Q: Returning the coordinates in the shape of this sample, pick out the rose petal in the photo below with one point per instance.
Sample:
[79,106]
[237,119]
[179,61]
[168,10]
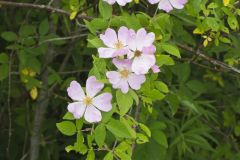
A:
[103,102]
[153,1]
[142,64]
[109,38]
[75,91]
[93,86]
[122,85]
[165,5]
[155,69]
[92,114]
[113,77]
[106,52]
[135,81]
[177,4]
[77,109]
[122,63]
[123,35]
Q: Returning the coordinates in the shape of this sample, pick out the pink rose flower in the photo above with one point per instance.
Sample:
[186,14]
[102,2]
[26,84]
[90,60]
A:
[142,50]
[124,77]
[88,105]
[116,43]
[168,5]
[120,2]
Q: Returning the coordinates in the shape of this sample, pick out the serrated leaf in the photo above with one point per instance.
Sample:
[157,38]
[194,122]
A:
[105,9]
[145,129]
[67,128]
[68,116]
[100,135]
[9,36]
[44,27]
[160,138]
[118,129]
[124,102]
[108,156]
[171,49]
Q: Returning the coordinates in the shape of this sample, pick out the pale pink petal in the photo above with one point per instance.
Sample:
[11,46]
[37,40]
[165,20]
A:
[155,69]
[140,38]
[142,64]
[153,1]
[130,55]
[75,91]
[149,39]
[77,109]
[132,44]
[109,38]
[177,4]
[123,35]
[106,52]
[111,2]
[135,81]
[113,77]
[122,85]
[121,2]
[149,50]
[92,114]
[103,102]
[165,5]
[122,64]
[120,52]
[93,86]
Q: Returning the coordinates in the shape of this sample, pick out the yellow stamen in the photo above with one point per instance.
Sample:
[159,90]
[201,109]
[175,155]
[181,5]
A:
[118,45]
[124,73]
[87,101]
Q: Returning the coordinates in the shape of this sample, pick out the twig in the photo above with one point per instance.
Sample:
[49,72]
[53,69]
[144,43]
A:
[63,38]
[9,107]
[209,59]
[136,116]
[43,7]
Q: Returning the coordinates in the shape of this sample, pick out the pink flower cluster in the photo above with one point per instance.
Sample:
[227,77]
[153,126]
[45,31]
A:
[166,5]
[139,51]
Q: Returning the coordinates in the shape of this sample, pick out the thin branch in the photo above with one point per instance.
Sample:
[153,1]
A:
[136,116]
[43,7]
[209,59]
[62,38]
[9,107]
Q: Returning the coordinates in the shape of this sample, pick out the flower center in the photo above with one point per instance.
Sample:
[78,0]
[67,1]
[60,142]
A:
[124,73]
[87,100]
[137,53]
[118,45]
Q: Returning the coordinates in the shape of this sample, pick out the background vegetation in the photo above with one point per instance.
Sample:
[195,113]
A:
[192,107]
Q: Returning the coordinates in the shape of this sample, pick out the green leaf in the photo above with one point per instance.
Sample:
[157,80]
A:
[171,49]
[9,36]
[164,60]
[95,42]
[134,96]
[145,129]
[100,135]
[129,127]
[160,138]
[105,9]
[68,116]
[3,58]
[161,87]
[44,27]
[4,71]
[232,22]
[91,155]
[108,156]
[118,129]
[141,138]
[69,148]
[124,102]
[67,128]
[27,30]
